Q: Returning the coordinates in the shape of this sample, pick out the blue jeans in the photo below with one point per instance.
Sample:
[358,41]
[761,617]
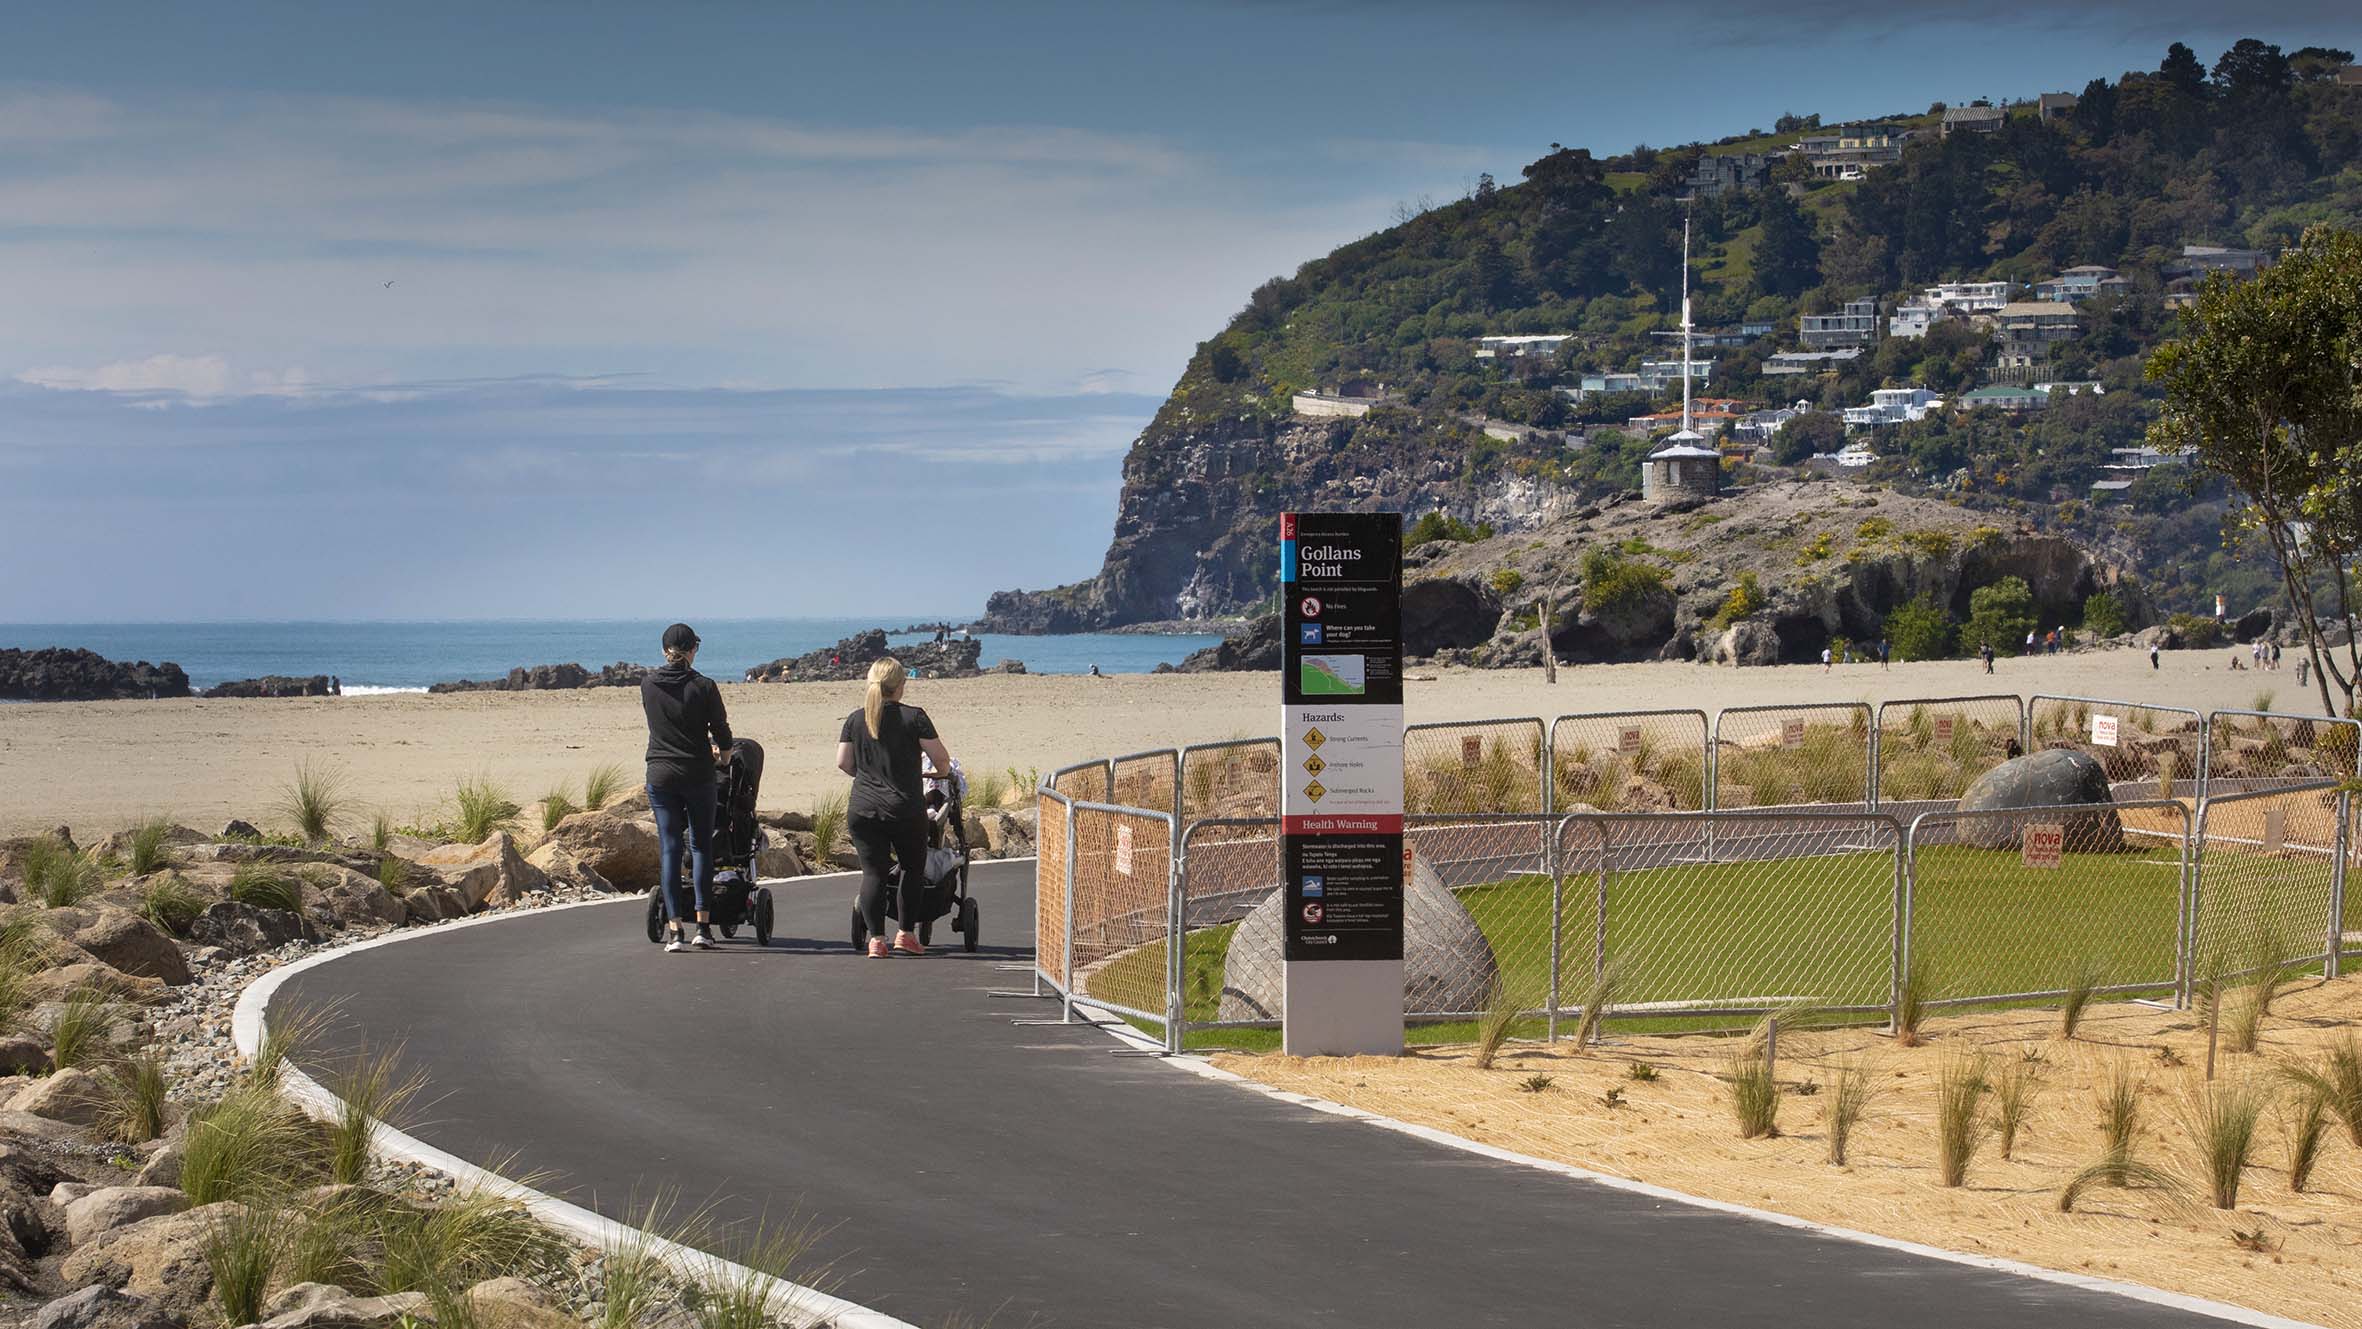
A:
[683,811]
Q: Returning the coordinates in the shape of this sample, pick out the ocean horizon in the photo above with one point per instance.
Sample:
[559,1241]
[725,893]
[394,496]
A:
[376,656]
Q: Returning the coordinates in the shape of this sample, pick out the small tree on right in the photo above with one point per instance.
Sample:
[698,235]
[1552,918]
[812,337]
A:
[2264,387]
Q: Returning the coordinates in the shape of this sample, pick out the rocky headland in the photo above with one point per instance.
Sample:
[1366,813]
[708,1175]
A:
[63,674]
[849,660]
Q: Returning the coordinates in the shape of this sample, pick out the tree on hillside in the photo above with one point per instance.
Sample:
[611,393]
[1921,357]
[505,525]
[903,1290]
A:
[1788,257]
[2265,385]
[2000,616]
[1804,435]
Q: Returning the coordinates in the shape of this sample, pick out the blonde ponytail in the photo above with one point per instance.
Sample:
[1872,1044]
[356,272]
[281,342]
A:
[886,678]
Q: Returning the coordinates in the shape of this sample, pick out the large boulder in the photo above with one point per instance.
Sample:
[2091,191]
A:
[1256,648]
[243,929]
[276,685]
[101,1307]
[492,873]
[564,869]
[64,981]
[432,904]
[2054,778]
[1447,965]
[20,1055]
[343,898]
[132,944]
[850,659]
[320,1306]
[75,1096]
[1747,642]
[62,674]
[782,857]
[1441,613]
[161,1258]
[111,1207]
[617,846]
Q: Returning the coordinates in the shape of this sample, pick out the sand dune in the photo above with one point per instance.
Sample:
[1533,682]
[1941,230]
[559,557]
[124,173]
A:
[100,765]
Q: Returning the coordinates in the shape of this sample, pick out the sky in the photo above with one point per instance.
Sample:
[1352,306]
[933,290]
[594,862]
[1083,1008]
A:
[556,310]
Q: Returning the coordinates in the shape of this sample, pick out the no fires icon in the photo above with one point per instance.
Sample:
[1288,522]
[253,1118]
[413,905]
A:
[1309,606]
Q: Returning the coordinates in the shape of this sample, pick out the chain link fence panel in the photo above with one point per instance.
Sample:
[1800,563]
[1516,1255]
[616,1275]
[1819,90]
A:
[1229,869]
[2251,750]
[1480,907]
[2268,873]
[1475,766]
[2029,903]
[1719,913]
[2147,751]
[1931,749]
[1087,782]
[1122,908]
[1053,828]
[1150,780]
[1793,756]
[1629,761]
[1236,779]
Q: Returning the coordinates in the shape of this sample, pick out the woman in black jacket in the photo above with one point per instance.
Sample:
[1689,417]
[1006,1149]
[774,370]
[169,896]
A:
[886,817]
[688,736]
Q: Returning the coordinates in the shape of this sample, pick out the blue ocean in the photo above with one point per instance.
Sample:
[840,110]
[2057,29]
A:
[407,656]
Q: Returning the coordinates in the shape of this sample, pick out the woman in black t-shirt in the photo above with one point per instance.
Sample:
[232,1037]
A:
[886,816]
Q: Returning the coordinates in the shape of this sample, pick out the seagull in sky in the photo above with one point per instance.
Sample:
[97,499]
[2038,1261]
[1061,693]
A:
[389,286]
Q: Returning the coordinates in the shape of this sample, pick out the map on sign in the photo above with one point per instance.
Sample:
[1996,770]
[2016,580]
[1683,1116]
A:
[1331,676]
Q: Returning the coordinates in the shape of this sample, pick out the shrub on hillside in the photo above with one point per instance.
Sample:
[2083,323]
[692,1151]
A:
[2000,615]
[1920,630]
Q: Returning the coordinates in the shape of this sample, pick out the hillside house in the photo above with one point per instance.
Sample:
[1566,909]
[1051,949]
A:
[2055,106]
[1892,406]
[2143,458]
[2071,388]
[1810,362]
[2077,284]
[2350,77]
[1756,428]
[1655,377]
[1705,422]
[1968,297]
[1329,405]
[1973,120]
[1855,455]
[1542,344]
[2027,331]
[2201,261]
[1854,325]
[1715,176]
[1999,397]
[1734,336]
[1913,319]
[1849,153]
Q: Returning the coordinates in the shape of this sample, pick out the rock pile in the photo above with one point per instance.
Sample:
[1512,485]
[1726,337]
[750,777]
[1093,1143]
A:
[551,678]
[851,658]
[59,674]
[277,685]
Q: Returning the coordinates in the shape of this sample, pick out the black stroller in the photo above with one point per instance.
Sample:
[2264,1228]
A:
[947,873]
[735,901]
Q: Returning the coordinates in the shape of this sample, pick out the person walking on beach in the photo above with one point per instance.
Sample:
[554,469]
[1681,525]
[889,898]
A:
[2152,657]
[1885,654]
[688,735]
[1985,653]
[1825,659]
[886,818]
[2304,664]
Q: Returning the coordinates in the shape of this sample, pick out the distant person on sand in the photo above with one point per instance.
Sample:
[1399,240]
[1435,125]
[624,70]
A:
[886,817]
[2153,656]
[1095,672]
[1885,654]
[2304,665]
[1825,659]
[1985,653]
[688,735]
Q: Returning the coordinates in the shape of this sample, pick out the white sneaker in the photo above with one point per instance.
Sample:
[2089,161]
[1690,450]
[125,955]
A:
[674,945]
[703,941]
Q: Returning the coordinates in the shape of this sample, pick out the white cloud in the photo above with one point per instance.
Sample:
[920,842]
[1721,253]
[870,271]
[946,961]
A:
[197,376]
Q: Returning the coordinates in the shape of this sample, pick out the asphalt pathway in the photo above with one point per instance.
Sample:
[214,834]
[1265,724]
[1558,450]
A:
[963,1164]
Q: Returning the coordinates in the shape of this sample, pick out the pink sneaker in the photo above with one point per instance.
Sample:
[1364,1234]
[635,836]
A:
[908,944]
[877,948]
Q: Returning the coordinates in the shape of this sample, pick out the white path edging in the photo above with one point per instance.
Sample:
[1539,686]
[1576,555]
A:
[806,1305]
[2221,1310]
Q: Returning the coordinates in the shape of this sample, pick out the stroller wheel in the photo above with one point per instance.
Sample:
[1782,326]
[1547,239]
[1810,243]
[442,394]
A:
[656,914]
[763,917]
[926,934]
[967,925]
[860,930]
[729,930]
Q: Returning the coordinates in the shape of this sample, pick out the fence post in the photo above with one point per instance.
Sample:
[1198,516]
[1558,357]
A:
[2337,885]
[1599,912]
[1066,963]
[1557,861]
[1877,756]
[1906,901]
[1176,879]
[2193,851]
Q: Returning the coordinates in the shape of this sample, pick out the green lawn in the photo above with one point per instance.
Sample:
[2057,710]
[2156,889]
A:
[1815,930]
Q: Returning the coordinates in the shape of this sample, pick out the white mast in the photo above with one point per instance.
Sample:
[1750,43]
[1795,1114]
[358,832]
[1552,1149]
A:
[1685,325]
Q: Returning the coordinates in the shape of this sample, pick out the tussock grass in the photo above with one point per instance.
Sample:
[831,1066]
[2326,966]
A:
[2337,1077]
[1911,997]
[56,875]
[2078,999]
[556,806]
[2304,1125]
[637,1280]
[147,849]
[600,787]
[753,1295]
[828,827]
[2120,1110]
[393,873]
[2221,1117]
[462,1241]
[2118,1172]
[1495,1022]
[1961,1125]
[136,1091]
[267,886]
[79,1035]
[381,831]
[1597,997]
[286,1032]
[250,1147]
[370,1089]
[171,904]
[1849,1102]
[480,807]
[242,1250]
[314,800]
[1754,1090]
[330,1240]
[989,790]
[2015,1088]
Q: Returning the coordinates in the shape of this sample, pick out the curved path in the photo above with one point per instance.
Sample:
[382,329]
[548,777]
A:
[969,1165]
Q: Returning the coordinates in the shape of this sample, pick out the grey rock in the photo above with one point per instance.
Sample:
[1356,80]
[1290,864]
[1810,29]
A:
[74,1096]
[161,1258]
[102,1307]
[1447,963]
[1747,642]
[112,1207]
[235,829]
[491,873]
[163,1166]
[432,904]
[20,1055]
[243,929]
[134,945]
[2057,777]
[352,1312]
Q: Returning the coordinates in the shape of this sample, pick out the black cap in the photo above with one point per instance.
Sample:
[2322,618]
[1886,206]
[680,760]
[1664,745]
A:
[680,637]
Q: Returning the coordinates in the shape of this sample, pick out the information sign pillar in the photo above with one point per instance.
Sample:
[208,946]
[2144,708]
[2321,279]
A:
[1341,782]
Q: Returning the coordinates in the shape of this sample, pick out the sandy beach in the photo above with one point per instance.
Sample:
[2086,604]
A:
[98,766]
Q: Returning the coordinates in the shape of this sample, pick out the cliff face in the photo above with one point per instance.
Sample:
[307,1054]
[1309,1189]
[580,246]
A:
[1197,528]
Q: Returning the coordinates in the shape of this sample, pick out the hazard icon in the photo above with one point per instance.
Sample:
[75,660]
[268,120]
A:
[1315,765]
[1314,791]
[1313,738]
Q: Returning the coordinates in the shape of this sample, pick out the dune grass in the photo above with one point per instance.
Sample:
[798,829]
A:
[1961,1125]
[474,1235]
[600,787]
[2080,988]
[2015,1087]
[2337,1077]
[2119,1101]
[1849,1102]
[370,1088]
[147,849]
[636,1278]
[171,904]
[393,873]
[1754,1090]
[2221,1117]
[381,831]
[2117,1172]
[250,1147]
[752,1295]
[136,1093]
[990,789]
[267,886]
[57,875]
[556,806]
[78,1037]
[1496,1022]
[828,827]
[313,801]
[1596,999]
[242,1250]
[286,1031]
[481,807]
[2304,1125]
